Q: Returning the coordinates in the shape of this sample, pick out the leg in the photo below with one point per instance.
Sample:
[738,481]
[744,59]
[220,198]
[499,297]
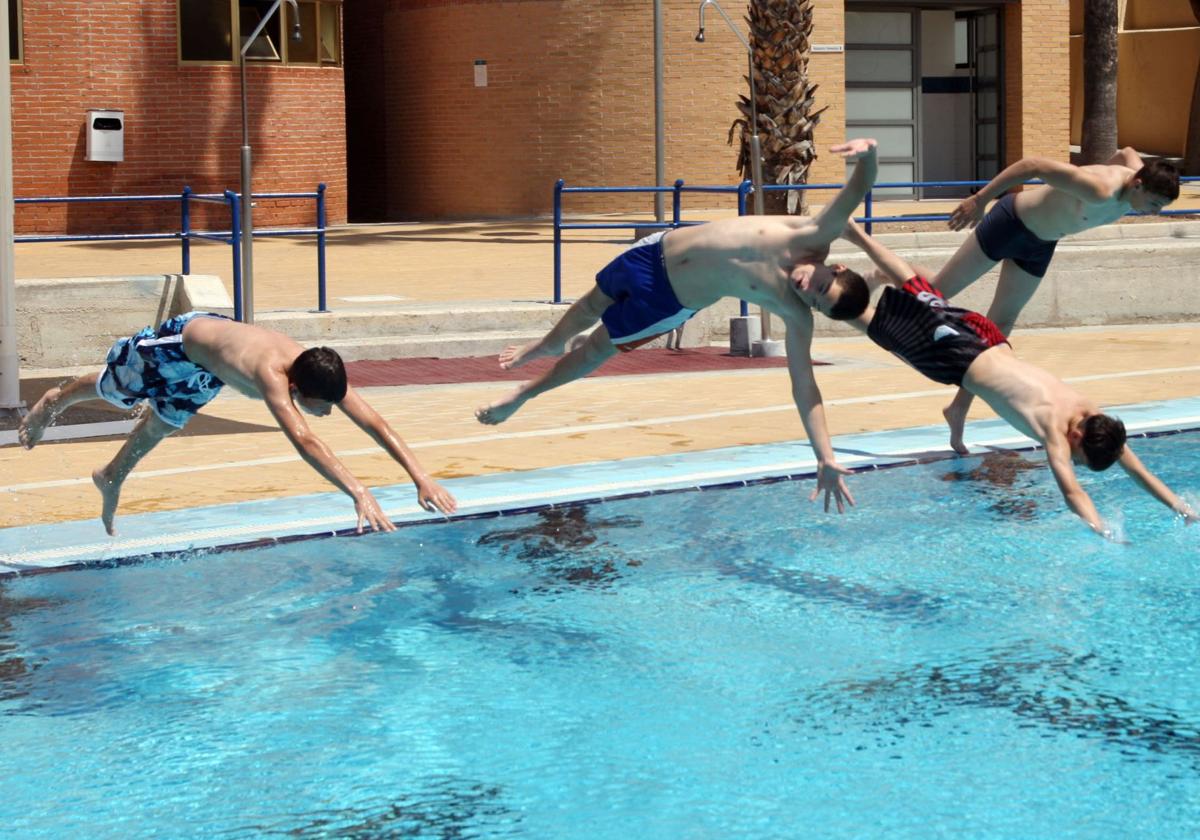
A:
[578,363]
[582,314]
[968,264]
[108,480]
[1014,290]
[53,403]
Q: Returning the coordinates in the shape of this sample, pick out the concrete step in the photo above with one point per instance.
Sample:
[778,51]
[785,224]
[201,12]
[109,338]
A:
[417,319]
[442,345]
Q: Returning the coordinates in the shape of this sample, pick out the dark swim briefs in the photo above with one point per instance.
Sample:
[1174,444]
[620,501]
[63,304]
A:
[153,366]
[644,304]
[1002,236]
[940,341]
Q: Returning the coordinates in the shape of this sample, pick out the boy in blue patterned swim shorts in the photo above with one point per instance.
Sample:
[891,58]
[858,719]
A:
[182,365]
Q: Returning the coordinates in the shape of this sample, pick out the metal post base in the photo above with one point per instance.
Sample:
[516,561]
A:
[768,348]
[744,332]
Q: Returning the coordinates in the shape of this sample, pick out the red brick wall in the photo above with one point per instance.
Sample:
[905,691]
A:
[183,123]
[570,95]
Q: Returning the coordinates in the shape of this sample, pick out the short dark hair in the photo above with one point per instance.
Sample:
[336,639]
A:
[854,298]
[318,373]
[1160,178]
[1103,441]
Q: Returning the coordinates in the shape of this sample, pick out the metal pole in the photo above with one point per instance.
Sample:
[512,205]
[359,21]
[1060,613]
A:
[247,195]
[321,302]
[185,231]
[247,299]
[659,107]
[558,188]
[10,374]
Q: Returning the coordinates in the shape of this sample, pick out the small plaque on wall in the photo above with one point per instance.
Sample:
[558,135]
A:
[828,48]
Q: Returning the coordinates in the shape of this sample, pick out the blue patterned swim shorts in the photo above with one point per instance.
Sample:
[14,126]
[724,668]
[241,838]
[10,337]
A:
[153,366]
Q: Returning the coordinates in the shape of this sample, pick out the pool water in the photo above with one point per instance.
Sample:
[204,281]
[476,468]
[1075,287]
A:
[958,656]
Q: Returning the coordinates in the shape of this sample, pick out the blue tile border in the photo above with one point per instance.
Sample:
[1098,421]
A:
[247,525]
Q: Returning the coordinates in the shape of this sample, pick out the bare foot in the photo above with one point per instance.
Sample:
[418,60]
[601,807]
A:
[34,424]
[498,412]
[514,356]
[110,493]
[956,419]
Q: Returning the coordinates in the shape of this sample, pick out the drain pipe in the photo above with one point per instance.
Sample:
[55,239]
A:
[10,378]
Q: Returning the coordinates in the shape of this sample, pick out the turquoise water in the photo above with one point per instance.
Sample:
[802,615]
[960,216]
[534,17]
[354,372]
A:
[956,657]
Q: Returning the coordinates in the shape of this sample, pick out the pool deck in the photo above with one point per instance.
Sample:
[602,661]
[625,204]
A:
[587,440]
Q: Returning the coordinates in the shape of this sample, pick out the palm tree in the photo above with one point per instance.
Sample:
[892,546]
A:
[779,40]
[1191,152]
[1099,140]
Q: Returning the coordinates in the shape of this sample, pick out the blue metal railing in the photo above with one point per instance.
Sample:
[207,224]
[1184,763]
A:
[185,234]
[743,190]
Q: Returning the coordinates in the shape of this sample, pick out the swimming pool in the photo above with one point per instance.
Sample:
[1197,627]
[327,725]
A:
[957,656]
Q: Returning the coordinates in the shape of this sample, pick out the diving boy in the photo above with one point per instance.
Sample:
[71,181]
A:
[958,347]
[182,365]
[1022,230]
[664,279]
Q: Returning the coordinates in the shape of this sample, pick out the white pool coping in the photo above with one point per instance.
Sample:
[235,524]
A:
[34,548]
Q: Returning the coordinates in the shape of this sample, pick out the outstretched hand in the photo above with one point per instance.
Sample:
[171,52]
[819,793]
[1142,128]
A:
[852,150]
[967,214]
[433,496]
[829,480]
[370,513]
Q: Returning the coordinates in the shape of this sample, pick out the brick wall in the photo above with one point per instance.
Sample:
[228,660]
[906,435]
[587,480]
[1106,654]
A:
[570,95]
[1037,79]
[183,123]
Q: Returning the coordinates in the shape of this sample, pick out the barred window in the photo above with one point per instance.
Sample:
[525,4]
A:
[212,31]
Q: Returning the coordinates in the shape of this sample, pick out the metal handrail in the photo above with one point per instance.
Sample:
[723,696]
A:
[185,234]
[868,219]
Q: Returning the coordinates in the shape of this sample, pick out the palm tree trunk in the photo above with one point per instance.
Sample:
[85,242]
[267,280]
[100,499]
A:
[1191,151]
[780,33]
[1099,80]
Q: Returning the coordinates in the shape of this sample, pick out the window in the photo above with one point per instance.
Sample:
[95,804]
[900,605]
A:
[213,31]
[14,30]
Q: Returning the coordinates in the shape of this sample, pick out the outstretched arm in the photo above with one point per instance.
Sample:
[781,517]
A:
[430,494]
[812,413]
[321,458]
[896,269]
[835,215]
[1058,453]
[1080,182]
[1152,485]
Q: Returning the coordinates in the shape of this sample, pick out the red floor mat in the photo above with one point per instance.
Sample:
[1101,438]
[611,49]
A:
[486,369]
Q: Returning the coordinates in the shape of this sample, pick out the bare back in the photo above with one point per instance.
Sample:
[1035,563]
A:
[250,359]
[749,257]
[1032,400]
[1053,213]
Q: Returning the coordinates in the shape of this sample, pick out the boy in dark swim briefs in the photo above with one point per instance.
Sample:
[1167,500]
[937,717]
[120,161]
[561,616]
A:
[1022,230]
[663,280]
[182,365]
[960,347]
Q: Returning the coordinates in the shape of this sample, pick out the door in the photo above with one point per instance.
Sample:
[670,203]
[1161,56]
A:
[882,91]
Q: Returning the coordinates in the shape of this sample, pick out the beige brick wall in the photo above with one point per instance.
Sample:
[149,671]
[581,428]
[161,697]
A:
[1037,79]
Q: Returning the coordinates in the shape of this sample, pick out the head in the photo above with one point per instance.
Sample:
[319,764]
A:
[1097,440]
[318,380]
[1153,187]
[833,290]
